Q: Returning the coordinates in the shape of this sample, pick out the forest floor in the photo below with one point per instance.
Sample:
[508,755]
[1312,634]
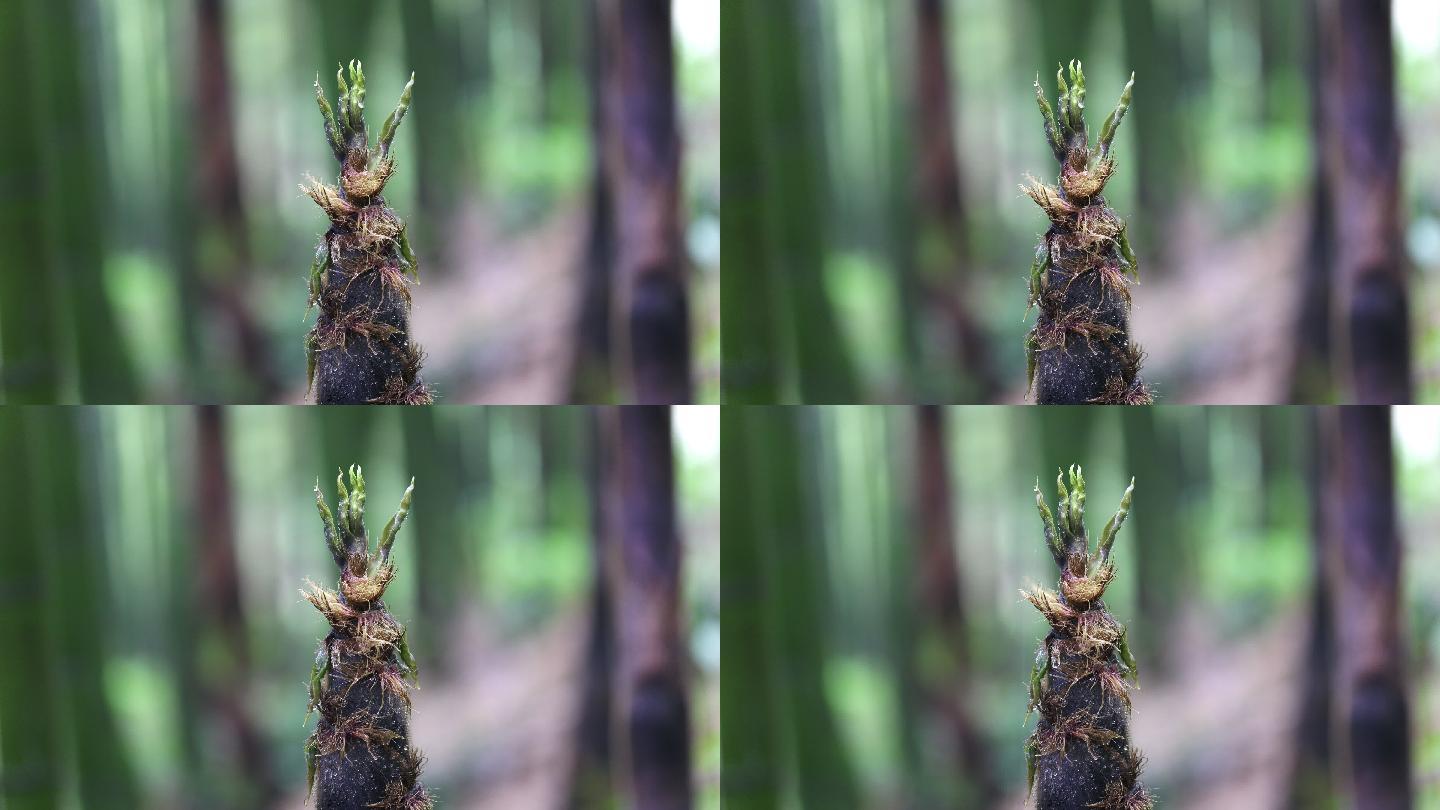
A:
[1219,325]
[500,324]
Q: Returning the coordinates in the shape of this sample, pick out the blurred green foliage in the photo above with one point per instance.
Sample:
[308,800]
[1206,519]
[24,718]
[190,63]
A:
[1232,566]
[518,564]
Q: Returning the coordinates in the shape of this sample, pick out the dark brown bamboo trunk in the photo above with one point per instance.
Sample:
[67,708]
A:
[590,772]
[941,208]
[218,600]
[943,603]
[1373,719]
[654,716]
[1310,783]
[653,312]
[590,359]
[218,194]
[1366,183]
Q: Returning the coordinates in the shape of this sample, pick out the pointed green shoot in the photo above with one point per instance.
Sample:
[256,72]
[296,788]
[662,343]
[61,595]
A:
[1064,506]
[1065,119]
[392,121]
[408,254]
[1032,346]
[1052,132]
[1112,526]
[317,678]
[1077,501]
[318,270]
[1052,537]
[332,131]
[357,503]
[312,344]
[344,507]
[344,99]
[1112,121]
[403,648]
[312,750]
[1038,672]
[357,96]
[1128,253]
[1032,751]
[392,526]
[1077,96]
[1037,272]
[1126,658]
[332,539]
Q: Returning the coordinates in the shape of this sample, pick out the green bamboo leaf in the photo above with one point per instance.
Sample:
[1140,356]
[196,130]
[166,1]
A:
[392,121]
[344,507]
[332,131]
[1052,537]
[332,539]
[392,526]
[357,501]
[1112,121]
[319,268]
[344,104]
[1077,501]
[1112,526]
[1065,118]
[1126,252]
[1052,132]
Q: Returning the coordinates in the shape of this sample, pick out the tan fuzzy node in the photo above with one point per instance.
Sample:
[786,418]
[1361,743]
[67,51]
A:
[376,225]
[366,183]
[1083,590]
[375,629]
[364,589]
[330,605]
[1056,612]
[1086,183]
[1096,224]
[1056,207]
[1096,631]
[329,198]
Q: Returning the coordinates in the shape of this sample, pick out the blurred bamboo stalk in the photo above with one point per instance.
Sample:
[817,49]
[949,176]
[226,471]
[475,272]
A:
[1374,311]
[654,718]
[652,309]
[1371,711]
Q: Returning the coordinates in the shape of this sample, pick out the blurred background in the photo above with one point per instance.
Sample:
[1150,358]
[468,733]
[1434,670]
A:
[890,647]
[874,157]
[154,242]
[158,649]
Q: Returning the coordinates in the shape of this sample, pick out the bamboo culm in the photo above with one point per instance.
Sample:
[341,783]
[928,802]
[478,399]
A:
[359,350]
[1080,754]
[359,755]
[1079,350]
